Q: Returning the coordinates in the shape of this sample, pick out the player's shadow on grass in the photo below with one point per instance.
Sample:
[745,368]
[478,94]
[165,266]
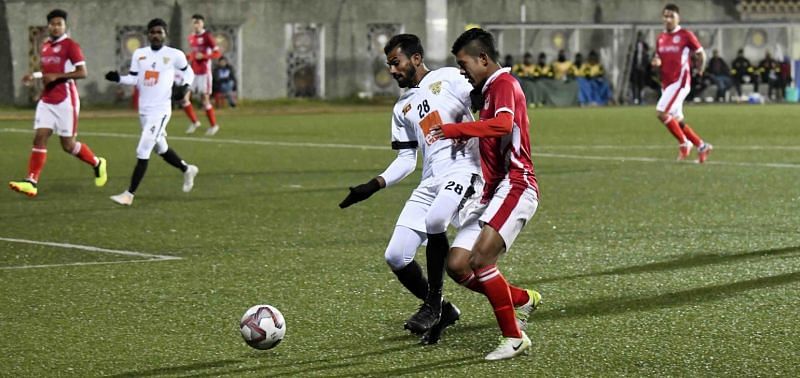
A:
[178,369]
[615,306]
[682,262]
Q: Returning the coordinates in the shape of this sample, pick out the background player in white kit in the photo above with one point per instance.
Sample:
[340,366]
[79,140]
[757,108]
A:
[153,71]
[450,168]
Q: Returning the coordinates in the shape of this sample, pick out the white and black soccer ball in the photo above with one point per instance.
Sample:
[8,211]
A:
[262,327]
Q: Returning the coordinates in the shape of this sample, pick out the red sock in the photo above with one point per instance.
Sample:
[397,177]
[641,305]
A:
[36,163]
[675,128]
[519,296]
[471,283]
[187,107]
[692,136]
[83,152]
[496,289]
[210,113]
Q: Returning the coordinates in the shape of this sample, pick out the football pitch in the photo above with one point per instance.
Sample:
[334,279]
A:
[647,266]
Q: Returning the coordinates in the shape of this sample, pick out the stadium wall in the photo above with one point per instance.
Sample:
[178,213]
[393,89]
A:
[268,54]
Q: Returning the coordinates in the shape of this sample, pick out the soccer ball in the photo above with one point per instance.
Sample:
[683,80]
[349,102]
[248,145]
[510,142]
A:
[262,327]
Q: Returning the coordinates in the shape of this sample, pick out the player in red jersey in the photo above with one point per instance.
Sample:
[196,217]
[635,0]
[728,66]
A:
[203,49]
[58,107]
[673,49]
[511,193]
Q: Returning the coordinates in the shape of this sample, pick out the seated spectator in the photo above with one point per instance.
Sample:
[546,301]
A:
[743,72]
[699,81]
[526,68]
[561,66]
[542,70]
[770,72]
[577,69]
[593,88]
[224,79]
[719,73]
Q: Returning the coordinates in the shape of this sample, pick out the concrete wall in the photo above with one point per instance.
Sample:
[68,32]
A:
[263,67]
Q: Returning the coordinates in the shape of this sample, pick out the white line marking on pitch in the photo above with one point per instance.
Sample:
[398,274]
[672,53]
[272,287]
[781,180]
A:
[148,257]
[563,156]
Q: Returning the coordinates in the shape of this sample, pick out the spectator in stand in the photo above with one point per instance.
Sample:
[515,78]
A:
[562,66]
[542,69]
[526,68]
[596,91]
[640,67]
[508,61]
[785,76]
[743,72]
[225,81]
[719,73]
[770,72]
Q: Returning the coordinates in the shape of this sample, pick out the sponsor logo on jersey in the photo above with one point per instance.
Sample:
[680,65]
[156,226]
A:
[51,60]
[436,87]
[406,109]
[669,49]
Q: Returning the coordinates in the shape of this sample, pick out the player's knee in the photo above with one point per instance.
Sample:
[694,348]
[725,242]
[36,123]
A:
[396,259]
[458,264]
[143,154]
[68,147]
[436,223]
[186,103]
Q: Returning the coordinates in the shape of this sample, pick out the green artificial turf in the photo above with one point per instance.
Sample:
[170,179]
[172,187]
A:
[647,267]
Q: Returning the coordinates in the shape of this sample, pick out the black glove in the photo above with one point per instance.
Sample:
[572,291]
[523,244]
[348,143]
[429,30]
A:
[361,192]
[179,91]
[112,76]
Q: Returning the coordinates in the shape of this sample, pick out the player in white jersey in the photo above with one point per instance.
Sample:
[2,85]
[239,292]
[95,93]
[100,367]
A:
[153,70]
[449,171]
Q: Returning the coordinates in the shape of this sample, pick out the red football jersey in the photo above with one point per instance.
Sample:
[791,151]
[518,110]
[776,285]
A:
[202,43]
[509,155]
[674,49]
[60,56]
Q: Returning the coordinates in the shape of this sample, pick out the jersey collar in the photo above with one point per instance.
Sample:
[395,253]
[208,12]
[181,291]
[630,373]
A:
[493,77]
[61,38]
[677,28]
[201,32]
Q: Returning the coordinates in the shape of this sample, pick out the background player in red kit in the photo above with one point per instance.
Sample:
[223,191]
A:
[203,49]
[673,49]
[57,111]
[510,194]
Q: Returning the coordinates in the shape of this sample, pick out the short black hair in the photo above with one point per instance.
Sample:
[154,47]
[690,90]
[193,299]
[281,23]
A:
[409,44]
[157,22]
[198,16]
[476,41]
[56,13]
[672,7]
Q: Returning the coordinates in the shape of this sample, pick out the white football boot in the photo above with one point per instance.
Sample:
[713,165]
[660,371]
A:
[510,347]
[125,198]
[188,178]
